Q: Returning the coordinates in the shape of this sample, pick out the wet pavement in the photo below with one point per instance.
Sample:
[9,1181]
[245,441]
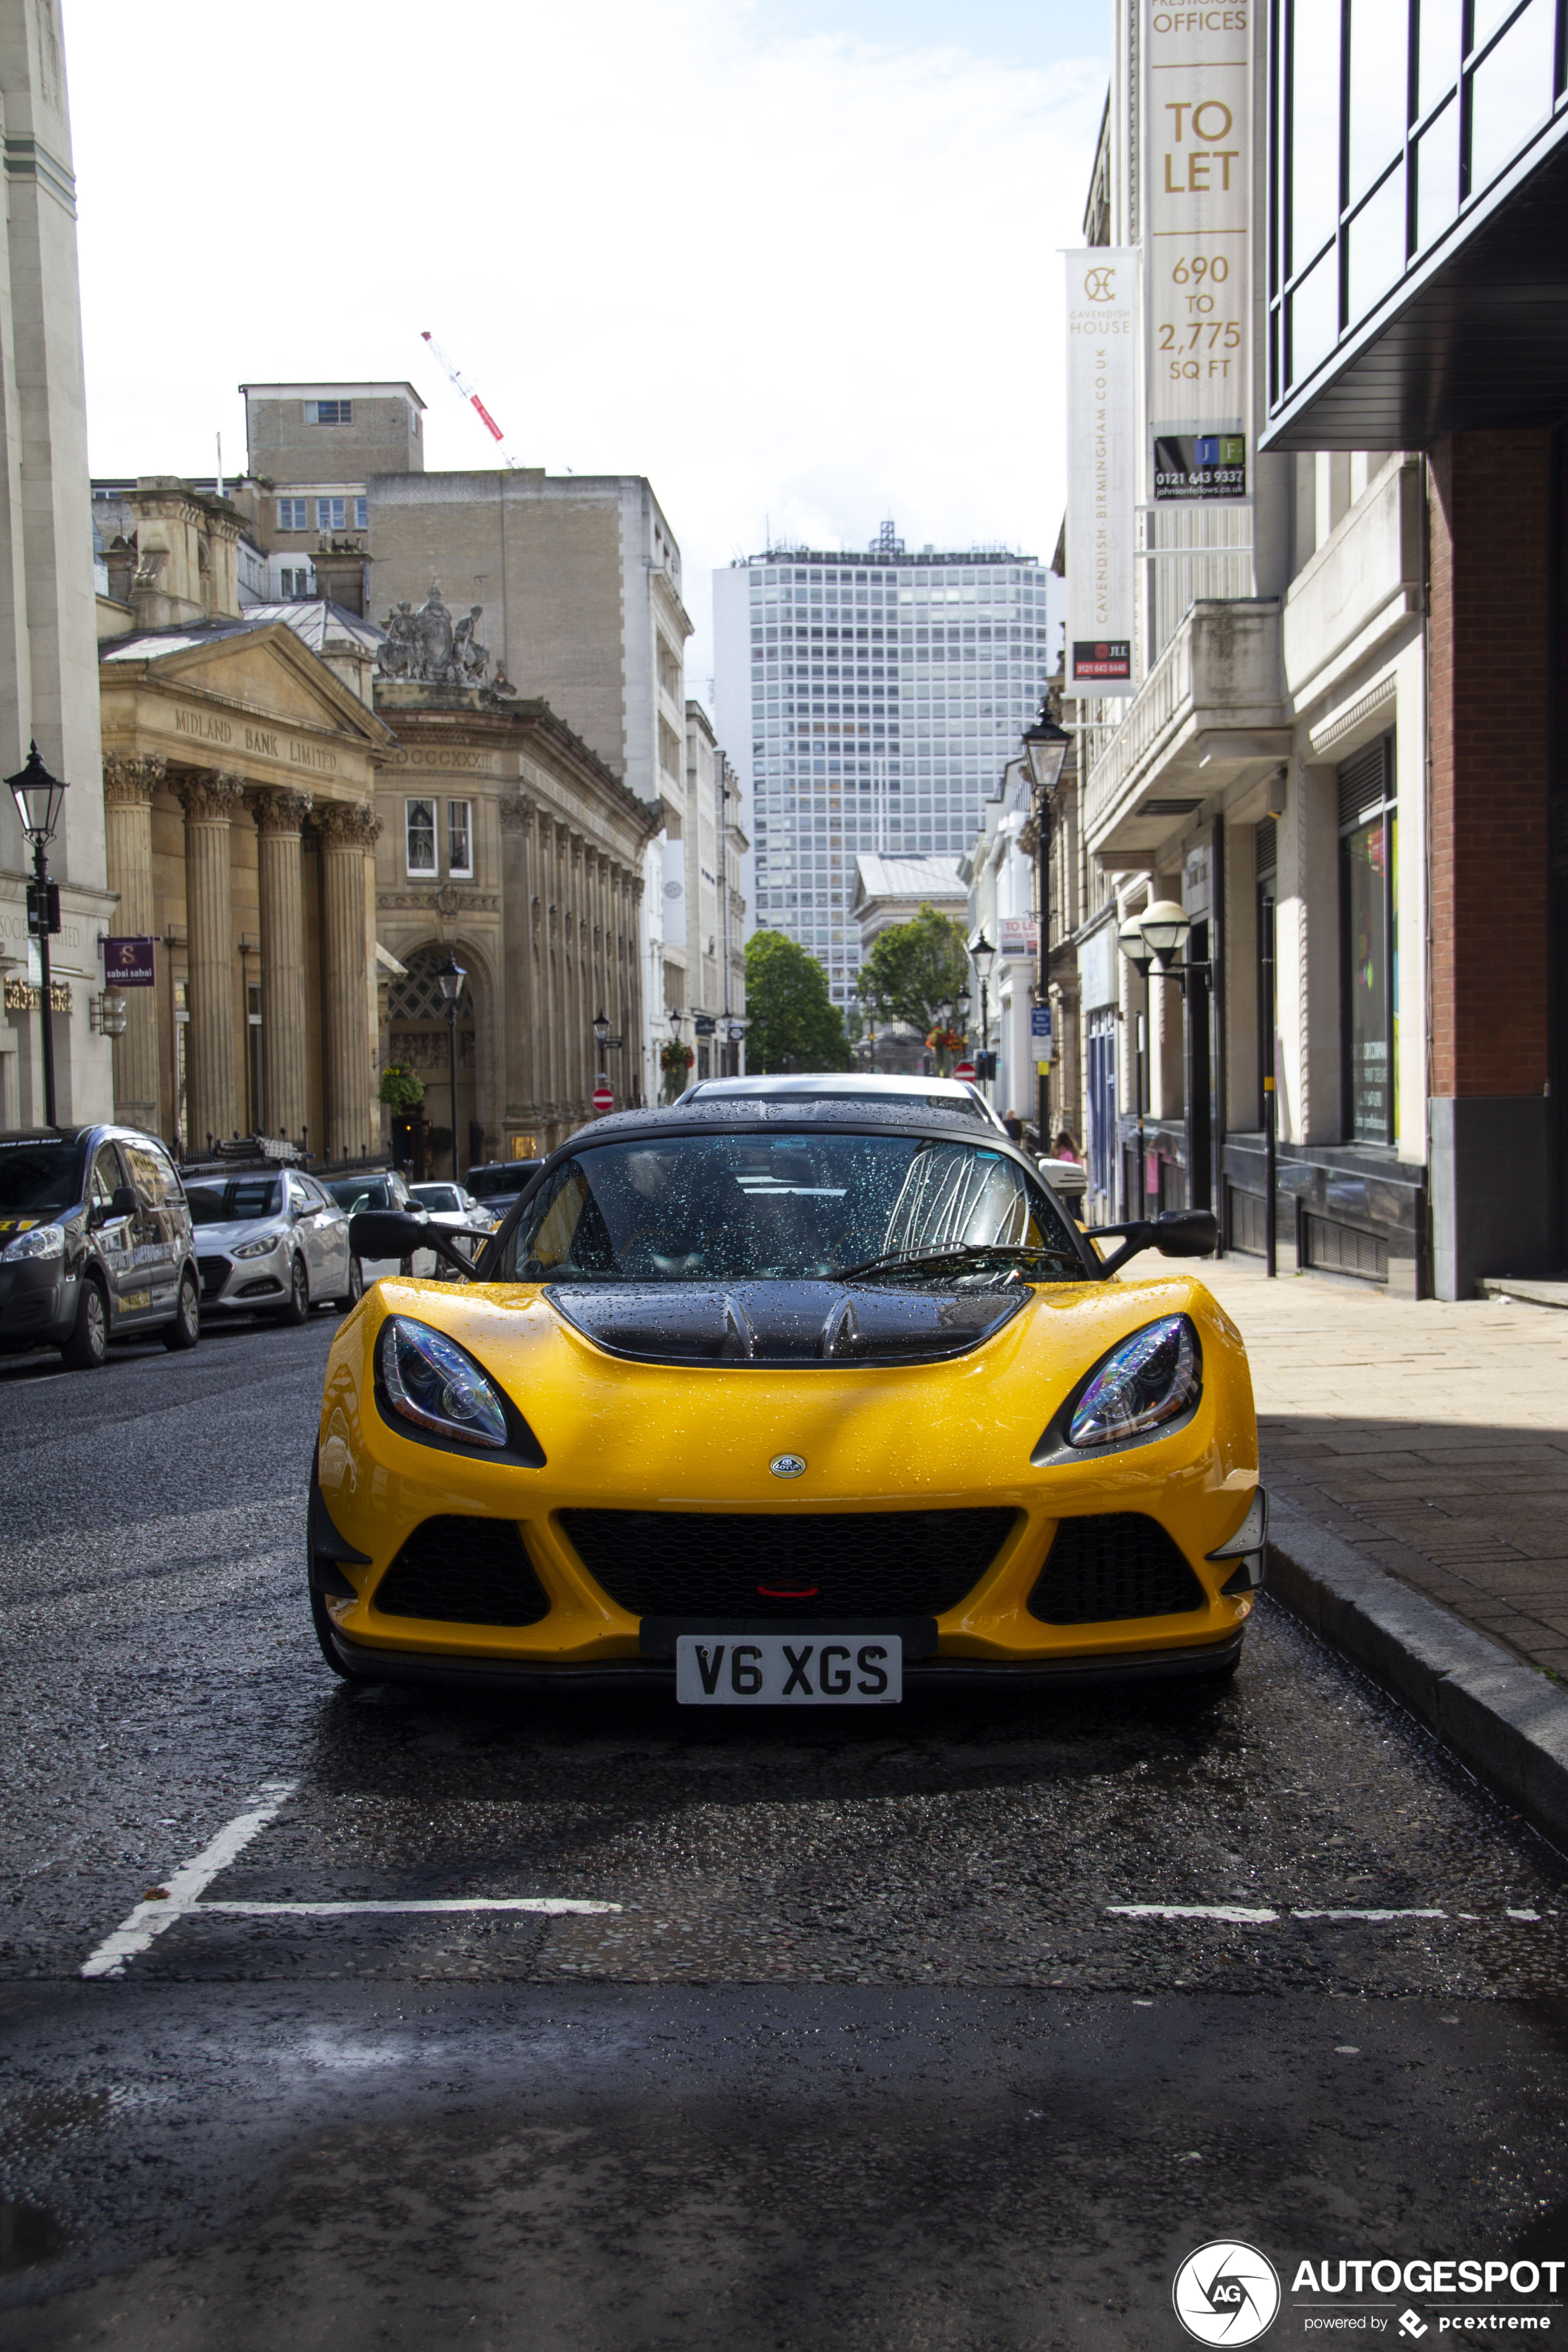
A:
[955,2026]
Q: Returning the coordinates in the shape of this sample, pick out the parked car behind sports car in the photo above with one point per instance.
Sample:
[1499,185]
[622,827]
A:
[95,1242]
[271,1242]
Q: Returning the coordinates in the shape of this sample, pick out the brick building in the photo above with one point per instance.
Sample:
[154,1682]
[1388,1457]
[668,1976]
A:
[1343,755]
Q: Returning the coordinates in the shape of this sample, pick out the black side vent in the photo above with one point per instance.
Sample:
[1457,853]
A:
[1117,1565]
[464,1571]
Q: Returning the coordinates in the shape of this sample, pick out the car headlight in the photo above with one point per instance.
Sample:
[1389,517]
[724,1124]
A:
[1148,1379]
[43,1241]
[431,1381]
[263,1248]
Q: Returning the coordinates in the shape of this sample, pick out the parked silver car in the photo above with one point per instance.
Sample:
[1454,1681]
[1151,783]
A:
[271,1243]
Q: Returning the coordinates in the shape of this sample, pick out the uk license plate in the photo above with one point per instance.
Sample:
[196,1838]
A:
[789,1670]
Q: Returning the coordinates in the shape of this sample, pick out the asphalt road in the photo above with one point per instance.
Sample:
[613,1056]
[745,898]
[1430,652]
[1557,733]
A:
[875,2052]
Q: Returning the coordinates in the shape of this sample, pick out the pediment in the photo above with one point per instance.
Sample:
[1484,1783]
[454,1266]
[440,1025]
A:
[265,671]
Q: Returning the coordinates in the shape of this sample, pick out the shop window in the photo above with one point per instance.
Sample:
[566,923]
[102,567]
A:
[459,837]
[1369,929]
[419,823]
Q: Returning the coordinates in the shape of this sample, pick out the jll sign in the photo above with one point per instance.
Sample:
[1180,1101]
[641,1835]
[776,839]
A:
[1102,370]
[1197,233]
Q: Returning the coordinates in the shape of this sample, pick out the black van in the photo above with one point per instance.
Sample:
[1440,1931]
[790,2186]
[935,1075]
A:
[95,1240]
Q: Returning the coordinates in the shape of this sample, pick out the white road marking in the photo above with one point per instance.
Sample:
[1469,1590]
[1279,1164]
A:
[1234,1912]
[1237,1915]
[150,1920]
[554,1905]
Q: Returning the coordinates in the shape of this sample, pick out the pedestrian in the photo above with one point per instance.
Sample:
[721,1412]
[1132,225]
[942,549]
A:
[1066,1149]
[1013,1125]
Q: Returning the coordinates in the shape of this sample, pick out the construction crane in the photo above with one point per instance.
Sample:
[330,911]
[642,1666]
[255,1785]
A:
[470,395]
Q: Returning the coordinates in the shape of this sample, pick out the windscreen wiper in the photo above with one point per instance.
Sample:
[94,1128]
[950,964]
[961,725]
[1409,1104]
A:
[960,1253]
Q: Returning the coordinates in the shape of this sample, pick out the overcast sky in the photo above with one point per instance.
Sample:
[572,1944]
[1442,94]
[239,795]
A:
[796,263]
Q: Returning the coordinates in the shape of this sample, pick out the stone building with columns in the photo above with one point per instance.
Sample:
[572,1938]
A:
[507,842]
[239,786]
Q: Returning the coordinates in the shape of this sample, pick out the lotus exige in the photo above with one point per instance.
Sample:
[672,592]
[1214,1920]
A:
[786,1402]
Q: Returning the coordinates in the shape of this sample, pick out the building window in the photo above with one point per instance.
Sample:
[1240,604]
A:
[291,514]
[328,411]
[332,514]
[459,837]
[296,580]
[361,514]
[1369,932]
[419,824]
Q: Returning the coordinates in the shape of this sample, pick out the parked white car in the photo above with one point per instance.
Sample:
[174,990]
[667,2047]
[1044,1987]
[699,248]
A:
[271,1243]
[851,1085]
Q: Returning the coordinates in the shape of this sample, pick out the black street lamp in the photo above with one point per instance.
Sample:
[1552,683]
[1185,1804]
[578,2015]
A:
[1046,746]
[601,1035]
[982,955]
[451,977]
[38,796]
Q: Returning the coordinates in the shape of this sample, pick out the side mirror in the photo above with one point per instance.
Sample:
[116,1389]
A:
[391,1233]
[1178,1232]
[1186,1233]
[123,1202]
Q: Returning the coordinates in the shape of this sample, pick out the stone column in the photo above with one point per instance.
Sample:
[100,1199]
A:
[519,1009]
[561,932]
[127,789]
[634,960]
[579,1013]
[279,814]
[349,833]
[210,802]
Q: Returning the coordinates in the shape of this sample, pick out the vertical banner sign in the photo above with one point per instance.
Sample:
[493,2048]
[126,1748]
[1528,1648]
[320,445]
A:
[1102,466]
[1197,113]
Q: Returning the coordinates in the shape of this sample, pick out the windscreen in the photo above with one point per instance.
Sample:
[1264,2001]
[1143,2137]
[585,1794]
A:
[235,1202]
[39,1180]
[781,1206]
[353,1192]
[437,1196]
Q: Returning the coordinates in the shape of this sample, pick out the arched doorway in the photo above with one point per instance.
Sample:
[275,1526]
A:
[419,1035]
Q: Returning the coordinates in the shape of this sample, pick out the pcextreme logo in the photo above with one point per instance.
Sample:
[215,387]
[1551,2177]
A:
[1226,2293]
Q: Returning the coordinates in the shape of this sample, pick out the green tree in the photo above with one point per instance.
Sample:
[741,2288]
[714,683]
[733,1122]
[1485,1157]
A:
[794,1024]
[914,968]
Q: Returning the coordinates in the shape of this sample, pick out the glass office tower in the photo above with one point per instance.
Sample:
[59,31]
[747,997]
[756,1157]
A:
[881,696]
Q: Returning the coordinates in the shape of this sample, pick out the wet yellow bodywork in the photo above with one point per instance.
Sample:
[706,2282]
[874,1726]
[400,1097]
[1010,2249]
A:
[693,1437]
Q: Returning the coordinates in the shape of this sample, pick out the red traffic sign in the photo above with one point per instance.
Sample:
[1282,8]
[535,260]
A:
[964,1070]
[603,1097]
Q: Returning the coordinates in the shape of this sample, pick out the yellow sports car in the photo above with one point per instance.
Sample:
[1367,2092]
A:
[787,1404]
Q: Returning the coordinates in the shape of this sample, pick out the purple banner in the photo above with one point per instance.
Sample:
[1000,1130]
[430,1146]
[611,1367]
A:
[128,963]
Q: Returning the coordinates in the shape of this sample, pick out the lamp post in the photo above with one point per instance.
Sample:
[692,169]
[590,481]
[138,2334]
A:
[38,795]
[451,977]
[982,955]
[601,1032]
[1045,749]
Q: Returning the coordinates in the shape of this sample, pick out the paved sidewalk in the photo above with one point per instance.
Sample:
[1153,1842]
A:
[1432,1437]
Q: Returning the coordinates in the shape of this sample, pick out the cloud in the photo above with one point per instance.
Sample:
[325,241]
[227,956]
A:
[802,281]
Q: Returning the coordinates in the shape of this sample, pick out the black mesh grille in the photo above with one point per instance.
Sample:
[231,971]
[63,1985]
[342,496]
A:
[814,1563]
[1122,1565]
[474,1571]
[214,1272]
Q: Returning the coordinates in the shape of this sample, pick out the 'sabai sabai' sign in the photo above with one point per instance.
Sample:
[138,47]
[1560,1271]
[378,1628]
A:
[1197,118]
[1102,466]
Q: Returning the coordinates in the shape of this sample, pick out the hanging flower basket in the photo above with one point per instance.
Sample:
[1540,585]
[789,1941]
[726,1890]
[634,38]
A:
[946,1041]
[674,1055]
